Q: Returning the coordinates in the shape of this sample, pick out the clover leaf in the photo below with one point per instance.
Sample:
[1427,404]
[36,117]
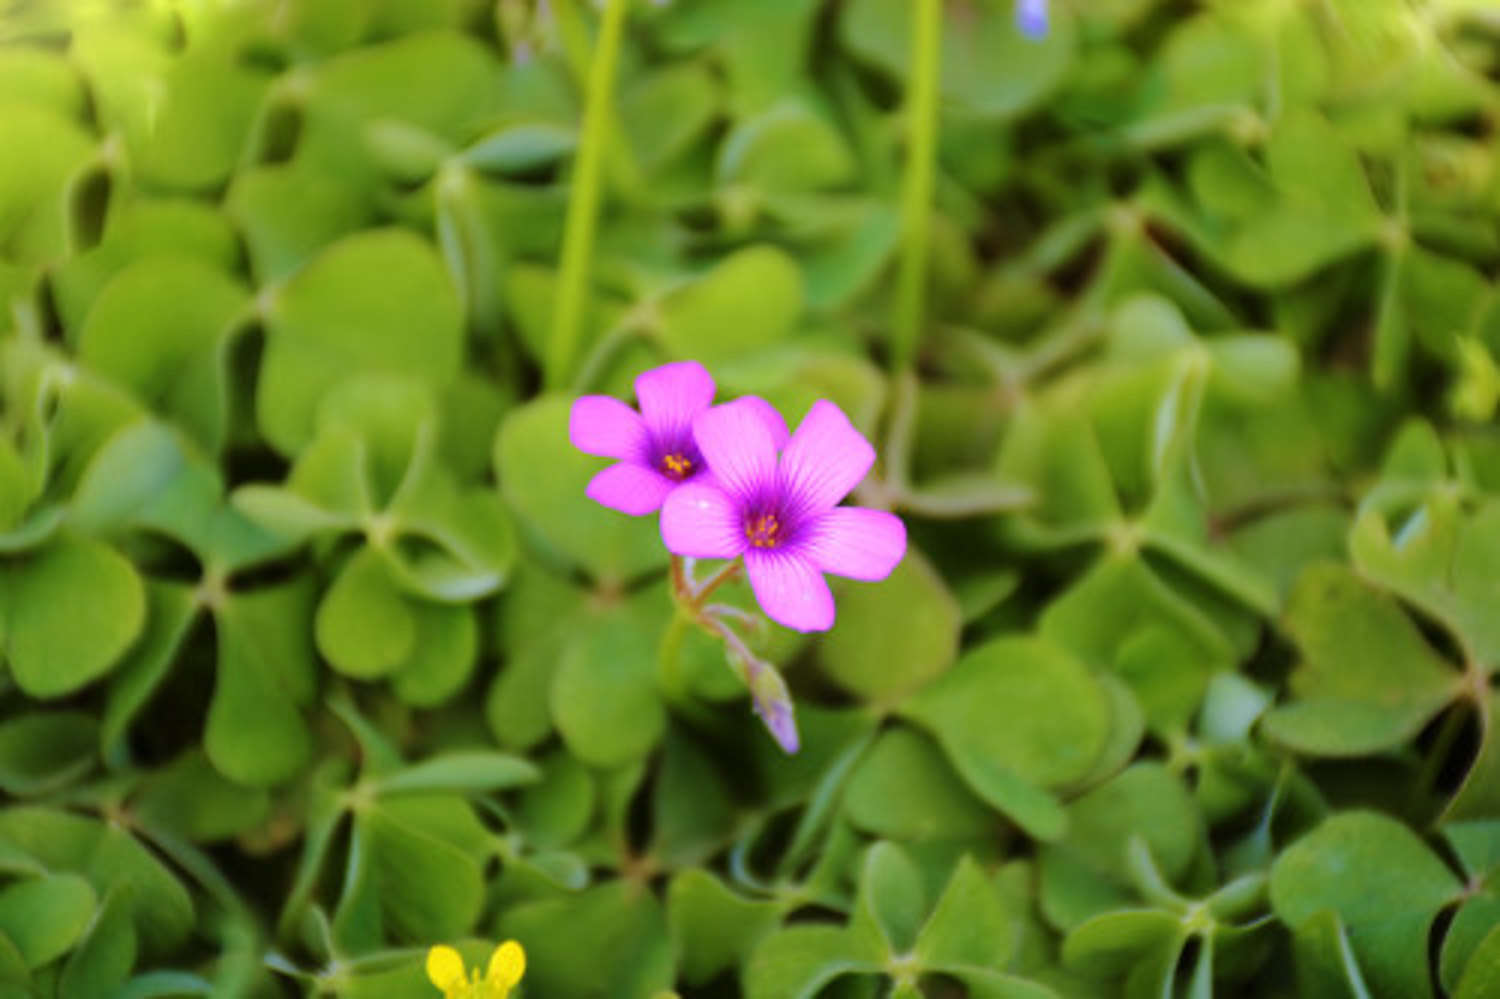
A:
[1381,881]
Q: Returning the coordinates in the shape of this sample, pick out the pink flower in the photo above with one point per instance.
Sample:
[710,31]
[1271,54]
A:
[655,447]
[781,512]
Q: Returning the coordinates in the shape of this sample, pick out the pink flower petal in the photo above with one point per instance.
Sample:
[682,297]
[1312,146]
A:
[630,488]
[738,445]
[855,542]
[602,425]
[671,395]
[825,458]
[790,589]
[701,521]
[768,415]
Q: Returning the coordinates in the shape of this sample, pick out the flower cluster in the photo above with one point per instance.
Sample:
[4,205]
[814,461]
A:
[733,483]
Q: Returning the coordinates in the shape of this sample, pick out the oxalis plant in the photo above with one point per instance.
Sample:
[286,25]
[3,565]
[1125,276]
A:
[408,408]
[731,483]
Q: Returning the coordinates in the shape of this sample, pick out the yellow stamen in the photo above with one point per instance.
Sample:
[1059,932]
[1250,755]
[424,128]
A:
[764,531]
[677,466]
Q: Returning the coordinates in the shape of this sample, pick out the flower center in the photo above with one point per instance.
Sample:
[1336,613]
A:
[676,466]
[764,531]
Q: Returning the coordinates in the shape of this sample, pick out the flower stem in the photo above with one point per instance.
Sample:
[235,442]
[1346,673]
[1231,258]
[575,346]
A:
[739,653]
[583,199]
[689,594]
[917,183]
[768,691]
[718,579]
[729,611]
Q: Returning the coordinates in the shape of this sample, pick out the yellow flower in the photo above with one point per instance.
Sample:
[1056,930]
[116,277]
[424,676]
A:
[445,969]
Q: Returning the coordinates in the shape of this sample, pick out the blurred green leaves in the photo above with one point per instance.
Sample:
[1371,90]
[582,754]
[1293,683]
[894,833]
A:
[1385,893]
[314,338]
[49,651]
[989,68]
[1186,686]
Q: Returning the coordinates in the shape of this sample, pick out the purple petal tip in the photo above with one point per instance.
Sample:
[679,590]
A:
[773,702]
[782,726]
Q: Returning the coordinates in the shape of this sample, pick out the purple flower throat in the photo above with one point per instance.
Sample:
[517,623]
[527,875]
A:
[654,448]
[676,456]
[772,520]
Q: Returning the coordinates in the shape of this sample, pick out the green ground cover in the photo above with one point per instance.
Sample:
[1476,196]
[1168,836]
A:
[1174,325]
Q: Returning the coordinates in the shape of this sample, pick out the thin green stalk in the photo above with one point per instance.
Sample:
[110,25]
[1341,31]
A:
[917,184]
[621,177]
[718,579]
[583,198]
[903,428]
[201,867]
[603,353]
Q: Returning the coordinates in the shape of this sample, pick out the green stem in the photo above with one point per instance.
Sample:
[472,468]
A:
[718,579]
[739,653]
[201,868]
[583,199]
[901,433]
[917,185]
[603,353]
[688,597]
[572,26]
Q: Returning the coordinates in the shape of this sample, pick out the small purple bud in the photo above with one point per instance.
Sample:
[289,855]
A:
[773,702]
[781,725]
[1031,18]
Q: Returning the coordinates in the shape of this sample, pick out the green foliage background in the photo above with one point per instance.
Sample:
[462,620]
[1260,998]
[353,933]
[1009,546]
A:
[314,653]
